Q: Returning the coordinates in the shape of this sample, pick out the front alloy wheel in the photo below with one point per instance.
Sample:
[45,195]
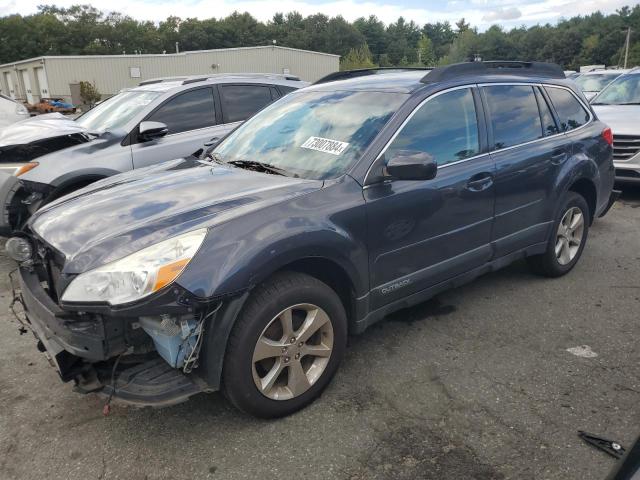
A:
[285,346]
[292,352]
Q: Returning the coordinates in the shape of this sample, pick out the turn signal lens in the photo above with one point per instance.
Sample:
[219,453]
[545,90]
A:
[607,134]
[25,168]
[168,273]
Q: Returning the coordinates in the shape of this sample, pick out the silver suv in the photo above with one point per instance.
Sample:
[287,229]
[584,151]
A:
[619,106]
[159,120]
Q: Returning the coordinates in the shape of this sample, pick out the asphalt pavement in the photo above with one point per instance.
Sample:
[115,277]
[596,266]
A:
[489,381]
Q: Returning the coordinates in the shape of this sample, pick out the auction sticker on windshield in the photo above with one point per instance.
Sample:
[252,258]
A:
[334,147]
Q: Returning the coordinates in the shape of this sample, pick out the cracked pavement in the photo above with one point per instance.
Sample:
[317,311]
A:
[476,383]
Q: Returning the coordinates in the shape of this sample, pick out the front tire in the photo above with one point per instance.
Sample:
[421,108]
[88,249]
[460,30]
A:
[285,347]
[567,241]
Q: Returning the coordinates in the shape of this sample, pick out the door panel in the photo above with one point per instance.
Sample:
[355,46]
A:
[175,146]
[525,180]
[422,233]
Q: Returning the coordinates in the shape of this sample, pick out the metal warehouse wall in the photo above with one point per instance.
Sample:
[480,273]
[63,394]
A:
[111,73]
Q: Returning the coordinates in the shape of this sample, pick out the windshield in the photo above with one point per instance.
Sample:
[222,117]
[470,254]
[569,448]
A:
[316,135]
[595,82]
[116,111]
[623,90]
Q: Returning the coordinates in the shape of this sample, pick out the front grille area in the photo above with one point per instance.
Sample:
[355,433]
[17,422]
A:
[625,147]
[49,266]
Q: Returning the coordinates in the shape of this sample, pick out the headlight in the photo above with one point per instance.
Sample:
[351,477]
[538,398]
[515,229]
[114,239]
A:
[137,275]
[21,110]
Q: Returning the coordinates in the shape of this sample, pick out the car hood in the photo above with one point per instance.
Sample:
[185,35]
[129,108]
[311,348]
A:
[38,128]
[623,119]
[118,216]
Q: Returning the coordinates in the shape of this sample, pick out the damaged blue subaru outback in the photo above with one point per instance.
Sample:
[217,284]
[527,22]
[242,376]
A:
[370,191]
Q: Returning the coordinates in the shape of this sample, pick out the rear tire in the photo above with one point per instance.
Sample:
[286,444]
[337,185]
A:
[285,347]
[567,241]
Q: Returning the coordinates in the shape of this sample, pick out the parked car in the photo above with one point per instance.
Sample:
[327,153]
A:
[51,105]
[159,120]
[592,82]
[11,112]
[619,106]
[323,213]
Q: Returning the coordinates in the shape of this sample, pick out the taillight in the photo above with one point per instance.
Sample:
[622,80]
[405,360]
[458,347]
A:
[607,134]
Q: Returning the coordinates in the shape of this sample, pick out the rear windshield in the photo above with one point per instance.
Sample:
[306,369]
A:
[316,135]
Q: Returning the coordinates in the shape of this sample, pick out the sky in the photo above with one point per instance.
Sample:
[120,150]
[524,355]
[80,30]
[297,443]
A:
[480,13]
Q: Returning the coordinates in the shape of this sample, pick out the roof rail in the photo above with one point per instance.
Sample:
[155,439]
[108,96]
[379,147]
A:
[456,70]
[282,76]
[362,72]
[151,81]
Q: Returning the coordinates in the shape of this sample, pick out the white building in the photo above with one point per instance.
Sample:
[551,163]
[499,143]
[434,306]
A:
[59,76]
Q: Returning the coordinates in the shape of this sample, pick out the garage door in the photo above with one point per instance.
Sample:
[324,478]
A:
[9,81]
[26,82]
[42,82]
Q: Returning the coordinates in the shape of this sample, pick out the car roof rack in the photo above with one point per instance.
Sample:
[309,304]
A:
[187,79]
[363,72]
[456,70]
[280,76]
[151,81]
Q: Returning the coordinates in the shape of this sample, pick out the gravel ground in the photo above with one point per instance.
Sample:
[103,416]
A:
[475,384]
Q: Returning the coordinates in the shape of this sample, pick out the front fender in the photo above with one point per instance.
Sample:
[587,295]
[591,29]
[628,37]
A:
[329,224]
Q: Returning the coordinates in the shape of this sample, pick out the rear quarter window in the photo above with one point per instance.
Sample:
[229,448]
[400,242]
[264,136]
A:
[570,111]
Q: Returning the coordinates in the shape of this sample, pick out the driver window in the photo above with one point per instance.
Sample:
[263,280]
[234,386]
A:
[445,127]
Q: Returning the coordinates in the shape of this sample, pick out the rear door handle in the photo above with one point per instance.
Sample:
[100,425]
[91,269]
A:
[558,156]
[480,182]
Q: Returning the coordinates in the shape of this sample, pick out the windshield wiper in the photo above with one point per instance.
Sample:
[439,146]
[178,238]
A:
[259,166]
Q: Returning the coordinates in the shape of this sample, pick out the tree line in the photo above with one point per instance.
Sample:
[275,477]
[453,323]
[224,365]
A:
[85,30]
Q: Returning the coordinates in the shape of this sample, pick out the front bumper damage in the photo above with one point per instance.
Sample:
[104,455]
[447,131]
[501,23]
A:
[18,201]
[109,351]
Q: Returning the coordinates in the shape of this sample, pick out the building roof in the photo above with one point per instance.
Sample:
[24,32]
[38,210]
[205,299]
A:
[181,54]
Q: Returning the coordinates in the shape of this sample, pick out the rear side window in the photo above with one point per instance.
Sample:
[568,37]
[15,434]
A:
[239,102]
[549,126]
[514,114]
[284,89]
[570,111]
[187,111]
[445,127]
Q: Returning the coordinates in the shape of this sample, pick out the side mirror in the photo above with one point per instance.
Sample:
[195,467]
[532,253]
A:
[152,130]
[411,165]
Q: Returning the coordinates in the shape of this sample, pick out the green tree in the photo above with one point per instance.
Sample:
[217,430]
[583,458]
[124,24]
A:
[89,93]
[426,54]
[359,57]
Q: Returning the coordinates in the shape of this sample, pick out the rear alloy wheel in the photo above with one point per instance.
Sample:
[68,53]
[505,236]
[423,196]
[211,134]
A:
[568,239]
[569,235]
[285,346]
